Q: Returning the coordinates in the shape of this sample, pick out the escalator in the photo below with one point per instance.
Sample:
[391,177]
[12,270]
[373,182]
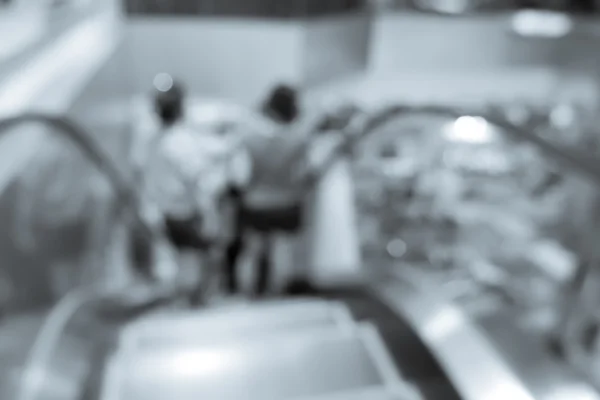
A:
[344,344]
[290,349]
[293,349]
[395,337]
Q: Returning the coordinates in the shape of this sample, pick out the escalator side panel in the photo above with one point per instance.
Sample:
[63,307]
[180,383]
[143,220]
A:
[545,376]
[471,362]
[385,364]
[409,353]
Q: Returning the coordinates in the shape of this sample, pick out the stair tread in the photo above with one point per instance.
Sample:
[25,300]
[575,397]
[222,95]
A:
[236,323]
[301,364]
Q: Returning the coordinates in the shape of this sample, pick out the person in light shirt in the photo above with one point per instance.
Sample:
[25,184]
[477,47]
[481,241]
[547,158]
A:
[184,171]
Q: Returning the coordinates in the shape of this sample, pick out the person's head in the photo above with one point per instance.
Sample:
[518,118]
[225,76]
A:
[169,101]
[282,104]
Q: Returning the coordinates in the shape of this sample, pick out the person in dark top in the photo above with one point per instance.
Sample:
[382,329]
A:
[169,104]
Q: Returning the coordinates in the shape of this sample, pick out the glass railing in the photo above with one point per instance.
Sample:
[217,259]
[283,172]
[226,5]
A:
[503,215]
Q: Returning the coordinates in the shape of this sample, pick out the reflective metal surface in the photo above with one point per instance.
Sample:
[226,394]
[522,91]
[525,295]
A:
[308,363]
[545,375]
[469,355]
[502,226]
[234,323]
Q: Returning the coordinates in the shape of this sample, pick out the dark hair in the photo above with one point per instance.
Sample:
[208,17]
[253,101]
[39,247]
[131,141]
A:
[282,104]
[169,104]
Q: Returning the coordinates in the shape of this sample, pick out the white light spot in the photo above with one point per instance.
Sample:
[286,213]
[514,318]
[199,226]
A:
[469,129]
[163,82]
[396,248]
[546,24]
[192,363]
[563,116]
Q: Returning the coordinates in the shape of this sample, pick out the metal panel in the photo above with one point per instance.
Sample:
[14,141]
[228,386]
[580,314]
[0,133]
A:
[471,360]
[303,364]
[225,324]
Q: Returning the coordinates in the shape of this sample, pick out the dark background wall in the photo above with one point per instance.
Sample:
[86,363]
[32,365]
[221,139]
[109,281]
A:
[243,8]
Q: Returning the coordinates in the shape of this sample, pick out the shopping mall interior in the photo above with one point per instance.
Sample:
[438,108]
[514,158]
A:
[436,241]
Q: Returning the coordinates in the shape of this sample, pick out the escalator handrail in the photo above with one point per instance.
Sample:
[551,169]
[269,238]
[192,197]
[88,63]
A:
[47,338]
[56,321]
[367,123]
[127,197]
[581,163]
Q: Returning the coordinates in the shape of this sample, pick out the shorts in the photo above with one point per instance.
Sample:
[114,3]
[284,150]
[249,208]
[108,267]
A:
[185,233]
[287,219]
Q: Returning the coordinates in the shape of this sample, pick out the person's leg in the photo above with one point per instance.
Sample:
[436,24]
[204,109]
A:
[264,267]
[185,234]
[189,276]
[233,253]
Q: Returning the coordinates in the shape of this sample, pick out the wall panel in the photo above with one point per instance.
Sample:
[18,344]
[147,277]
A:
[236,58]
[335,47]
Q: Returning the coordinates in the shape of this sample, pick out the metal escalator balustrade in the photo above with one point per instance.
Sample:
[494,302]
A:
[37,377]
[584,167]
[128,198]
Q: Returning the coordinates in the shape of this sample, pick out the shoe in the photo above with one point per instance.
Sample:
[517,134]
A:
[300,287]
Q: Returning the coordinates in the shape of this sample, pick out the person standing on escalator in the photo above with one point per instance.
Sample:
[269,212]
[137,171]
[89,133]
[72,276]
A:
[271,205]
[183,172]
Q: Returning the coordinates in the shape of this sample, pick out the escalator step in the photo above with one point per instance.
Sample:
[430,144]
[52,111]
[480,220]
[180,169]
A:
[307,364]
[236,323]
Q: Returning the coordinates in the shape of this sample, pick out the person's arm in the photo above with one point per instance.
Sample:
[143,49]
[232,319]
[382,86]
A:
[144,138]
[322,151]
[239,168]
